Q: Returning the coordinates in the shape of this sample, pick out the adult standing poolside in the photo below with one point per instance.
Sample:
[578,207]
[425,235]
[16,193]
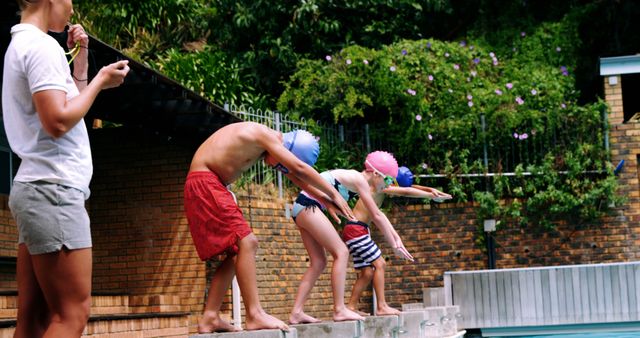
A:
[44,105]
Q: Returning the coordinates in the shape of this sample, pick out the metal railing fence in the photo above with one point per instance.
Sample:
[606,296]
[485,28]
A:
[527,146]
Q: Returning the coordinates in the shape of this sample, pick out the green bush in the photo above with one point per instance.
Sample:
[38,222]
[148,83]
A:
[428,99]
[223,82]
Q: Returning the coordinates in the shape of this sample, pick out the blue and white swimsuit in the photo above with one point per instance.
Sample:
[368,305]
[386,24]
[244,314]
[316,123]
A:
[304,201]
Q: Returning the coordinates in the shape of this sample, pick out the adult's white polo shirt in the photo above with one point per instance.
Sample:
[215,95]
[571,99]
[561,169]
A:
[35,62]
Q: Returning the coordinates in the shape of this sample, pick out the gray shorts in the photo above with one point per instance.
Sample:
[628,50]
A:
[49,216]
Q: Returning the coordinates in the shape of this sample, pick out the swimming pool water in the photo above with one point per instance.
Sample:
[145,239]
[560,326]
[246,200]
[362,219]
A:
[630,334]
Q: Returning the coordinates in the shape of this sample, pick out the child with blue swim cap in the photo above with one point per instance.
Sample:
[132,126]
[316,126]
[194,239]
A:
[354,235]
[216,222]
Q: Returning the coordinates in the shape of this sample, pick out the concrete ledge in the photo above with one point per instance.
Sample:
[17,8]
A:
[412,324]
[293,333]
[371,327]
[380,326]
[348,329]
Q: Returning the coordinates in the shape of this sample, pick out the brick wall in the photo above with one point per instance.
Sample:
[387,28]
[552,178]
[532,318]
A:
[142,244]
[8,246]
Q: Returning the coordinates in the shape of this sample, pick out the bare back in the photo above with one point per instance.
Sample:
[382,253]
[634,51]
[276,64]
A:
[231,150]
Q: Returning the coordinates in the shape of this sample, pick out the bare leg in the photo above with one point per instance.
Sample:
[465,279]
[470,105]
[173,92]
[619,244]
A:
[33,317]
[257,318]
[317,263]
[211,321]
[321,230]
[364,278]
[65,280]
[378,284]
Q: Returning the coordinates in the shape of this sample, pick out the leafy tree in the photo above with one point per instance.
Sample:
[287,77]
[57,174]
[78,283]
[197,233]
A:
[429,99]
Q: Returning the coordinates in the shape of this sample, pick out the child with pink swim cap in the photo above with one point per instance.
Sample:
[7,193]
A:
[355,234]
[318,234]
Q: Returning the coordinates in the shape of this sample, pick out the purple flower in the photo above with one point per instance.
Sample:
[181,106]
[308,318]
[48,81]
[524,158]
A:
[328,57]
[469,97]
[348,61]
[523,34]
[418,117]
[392,68]
[318,138]
[509,85]
[430,138]
[365,62]
[463,43]
[430,77]
[492,55]
[476,60]
[515,135]
[534,92]
[563,106]
[519,100]
[470,103]
[495,62]
[411,92]
[498,92]
[446,55]
[428,45]
[558,49]
[564,70]
[456,66]
[524,136]
[404,52]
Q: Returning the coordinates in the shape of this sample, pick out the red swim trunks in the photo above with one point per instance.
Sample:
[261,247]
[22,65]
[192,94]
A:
[215,220]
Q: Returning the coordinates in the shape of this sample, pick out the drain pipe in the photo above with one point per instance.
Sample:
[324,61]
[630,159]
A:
[374,300]
[235,296]
[235,289]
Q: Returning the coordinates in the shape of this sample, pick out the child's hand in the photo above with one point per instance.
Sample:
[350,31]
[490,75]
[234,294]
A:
[333,211]
[440,196]
[402,252]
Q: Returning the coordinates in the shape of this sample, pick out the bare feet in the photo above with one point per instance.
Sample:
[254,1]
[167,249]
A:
[358,311]
[302,318]
[346,314]
[211,322]
[386,310]
[262,320]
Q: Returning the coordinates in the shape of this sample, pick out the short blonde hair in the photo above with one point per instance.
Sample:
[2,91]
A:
[25,3]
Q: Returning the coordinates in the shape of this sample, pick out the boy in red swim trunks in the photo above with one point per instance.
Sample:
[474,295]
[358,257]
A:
[216,222]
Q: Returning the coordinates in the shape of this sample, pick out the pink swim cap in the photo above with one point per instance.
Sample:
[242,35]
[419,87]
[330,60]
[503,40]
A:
[383,162]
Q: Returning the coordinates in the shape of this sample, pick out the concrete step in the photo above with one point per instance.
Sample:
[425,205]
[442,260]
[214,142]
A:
[347,329]
[129,326]
[292,333]
[433,296]
[435,321]
[371,327]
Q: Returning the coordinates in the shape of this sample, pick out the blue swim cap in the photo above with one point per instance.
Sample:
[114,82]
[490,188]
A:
[405,177]
[302,144]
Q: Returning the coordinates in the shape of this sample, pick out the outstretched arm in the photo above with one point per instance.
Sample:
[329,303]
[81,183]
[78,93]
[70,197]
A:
[380,219]
[408,192]
[439,195]
[332,208]
[304,175]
